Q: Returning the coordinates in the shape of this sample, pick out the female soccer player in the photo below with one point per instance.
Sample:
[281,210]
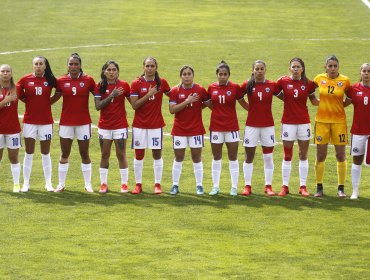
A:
[360,96]
[223,95]
[296,121]
[331,124]
[259,125]
[110,94]
[146,99]
[9,124]
[34,90]
[75,121]
[186,102]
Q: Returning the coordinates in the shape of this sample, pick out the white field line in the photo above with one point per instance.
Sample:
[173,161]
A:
[366,2]
[183,42]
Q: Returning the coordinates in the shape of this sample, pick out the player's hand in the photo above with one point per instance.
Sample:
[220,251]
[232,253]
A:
[192,97]
[152,91]
[117,91]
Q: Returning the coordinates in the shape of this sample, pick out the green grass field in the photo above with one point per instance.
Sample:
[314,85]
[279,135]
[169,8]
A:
[76,235]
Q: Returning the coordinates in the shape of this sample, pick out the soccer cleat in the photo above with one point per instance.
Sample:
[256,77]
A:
[174,190]
[303,191]
[16,188]
[124,188]
[89,189]
[59,188]
[157,188]
[215,191]
[284,190]
[268,190]
[319,191]
[137,189]
[49,188]
[354,195]
[103,188]
[233,191]
[199,190]
[341,194]
[25,188]
[247,190]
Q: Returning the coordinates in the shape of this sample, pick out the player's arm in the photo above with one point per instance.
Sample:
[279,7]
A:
[314,101]
[244,104]
[57,95]
[174,108]
[137,102]
[100,104]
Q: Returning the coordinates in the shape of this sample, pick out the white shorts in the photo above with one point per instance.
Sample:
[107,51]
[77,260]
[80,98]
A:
[81,132]
[291,132]
[358,144]
[181,142]
[110,134]
[264,135]
[38,131]
[147,138]
[10,141]
[219,137]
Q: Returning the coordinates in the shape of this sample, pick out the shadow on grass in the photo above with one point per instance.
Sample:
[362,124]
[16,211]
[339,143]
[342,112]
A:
[184,199]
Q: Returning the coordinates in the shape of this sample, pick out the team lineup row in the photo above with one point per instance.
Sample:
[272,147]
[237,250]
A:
[186,102]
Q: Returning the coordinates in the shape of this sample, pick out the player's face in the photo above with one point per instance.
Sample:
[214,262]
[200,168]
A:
[38,66]
[187,77]
[111,73]
[259,72]
[5,73]
[150,68]
[332,68]
[296,70]
[222,76]
[74,66]
[365,74]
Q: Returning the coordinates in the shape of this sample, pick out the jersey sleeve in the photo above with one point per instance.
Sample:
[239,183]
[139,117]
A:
[204,94]
[20,89]
[134,91]
[311,87]
[97,91]
[126,89]
[316,80]
[92,84]
[173,95]
[244,87]
[165,86]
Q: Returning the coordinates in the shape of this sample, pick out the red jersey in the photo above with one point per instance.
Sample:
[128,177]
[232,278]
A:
[149,116]
[260,103]
[295,100]
[113,116]
[360,96]
[223,97]
[9,123]
[188,121]
[75,92]
[35,92]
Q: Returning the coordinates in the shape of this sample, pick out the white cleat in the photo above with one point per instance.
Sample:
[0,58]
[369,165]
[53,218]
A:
[215,191]
[49,188]
[59,188]
[89,189]
[354,195]
[233,191]
[25,188]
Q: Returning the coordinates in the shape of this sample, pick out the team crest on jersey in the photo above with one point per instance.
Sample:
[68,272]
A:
[144,90]
[177,143]
[228,93]
[323,82]
[319,138]
[82,84]
[267,89]
[340,84]
[290,86]
[215,92]
[67,84]
[286,134]
[46,84]
[355,150]
[137,143]
[31,83]
[215,137]
[303,87]
[359,93]
[246,141]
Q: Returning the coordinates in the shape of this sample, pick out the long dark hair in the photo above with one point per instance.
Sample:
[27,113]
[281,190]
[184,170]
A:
[49,76]
[222,65]
[76,56]
[300,61]
[156,75]
[104,82]
[182,70]
[252,80]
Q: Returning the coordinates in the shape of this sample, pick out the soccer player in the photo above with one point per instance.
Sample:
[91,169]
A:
[259,125]
[75,122]
[296,88]
[9,124]
[331,124]
[186,102]
[34,90]
[147,127]
[360,96]
[223,95]
[110,94]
